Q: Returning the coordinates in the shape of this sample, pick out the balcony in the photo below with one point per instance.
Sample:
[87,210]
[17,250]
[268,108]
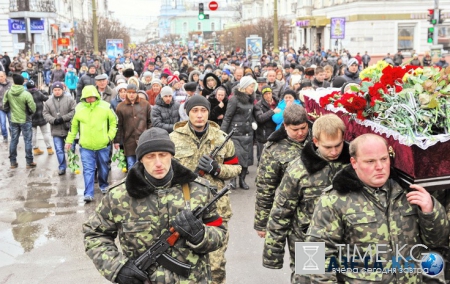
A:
[43,6]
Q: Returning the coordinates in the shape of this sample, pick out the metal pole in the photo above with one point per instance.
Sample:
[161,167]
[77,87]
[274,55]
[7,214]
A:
[436,17]
[94,26]
[275,27]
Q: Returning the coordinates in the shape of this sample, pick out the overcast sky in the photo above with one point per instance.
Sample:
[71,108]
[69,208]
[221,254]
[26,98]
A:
[135,13]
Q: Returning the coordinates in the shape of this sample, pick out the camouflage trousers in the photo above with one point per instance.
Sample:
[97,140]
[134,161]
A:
[217,258]
[296,278]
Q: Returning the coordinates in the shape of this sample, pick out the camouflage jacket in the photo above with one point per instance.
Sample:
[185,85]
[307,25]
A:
[304,181]
[189,149]
[278,152]
[351,213]
[139,213]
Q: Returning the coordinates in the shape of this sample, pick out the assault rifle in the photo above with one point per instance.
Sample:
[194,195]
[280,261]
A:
[157,252]
[216,151]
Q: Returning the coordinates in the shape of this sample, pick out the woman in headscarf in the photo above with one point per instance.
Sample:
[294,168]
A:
[239,115]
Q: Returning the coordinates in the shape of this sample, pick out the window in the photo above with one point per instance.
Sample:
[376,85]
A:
[405,37]
[213,27]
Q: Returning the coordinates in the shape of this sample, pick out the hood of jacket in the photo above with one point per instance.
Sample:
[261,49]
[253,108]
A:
[191,75]
[138,187]
[90,91]
[16,90]
[314,163]
[215,78]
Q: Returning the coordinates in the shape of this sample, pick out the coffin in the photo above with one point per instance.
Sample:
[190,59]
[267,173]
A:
[426,163]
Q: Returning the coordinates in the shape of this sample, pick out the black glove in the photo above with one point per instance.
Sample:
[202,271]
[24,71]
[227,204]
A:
[209,165]
[59,120]
[189,227]
[130,274]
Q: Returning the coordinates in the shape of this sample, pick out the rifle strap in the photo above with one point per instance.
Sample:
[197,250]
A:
[187,195]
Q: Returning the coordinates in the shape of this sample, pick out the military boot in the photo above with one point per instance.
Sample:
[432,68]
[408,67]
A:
[37,151]
[233,183]
[242,176]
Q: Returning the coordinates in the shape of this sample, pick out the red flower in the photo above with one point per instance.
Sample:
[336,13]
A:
[330,98]
[376,93]
[393,75]
[352,103]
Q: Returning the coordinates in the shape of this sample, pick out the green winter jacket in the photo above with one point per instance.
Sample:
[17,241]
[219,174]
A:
[96,122]
[21,104]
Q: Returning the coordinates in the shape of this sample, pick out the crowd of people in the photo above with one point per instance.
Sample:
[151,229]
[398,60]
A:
[167,108]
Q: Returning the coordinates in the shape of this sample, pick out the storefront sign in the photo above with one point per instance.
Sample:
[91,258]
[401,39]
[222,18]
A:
[337,28]
[304,23]
[17,26]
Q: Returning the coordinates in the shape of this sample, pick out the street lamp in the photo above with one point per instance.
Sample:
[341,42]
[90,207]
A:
[214,35]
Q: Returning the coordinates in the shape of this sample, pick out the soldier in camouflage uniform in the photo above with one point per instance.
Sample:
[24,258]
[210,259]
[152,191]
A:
[194,141]
[366,206]
[149,202]
[304,181]
[283,146]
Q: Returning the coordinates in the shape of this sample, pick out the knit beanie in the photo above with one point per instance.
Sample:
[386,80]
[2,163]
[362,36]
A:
[197,100]
[121,86]
[132,87]
[166,91]
[246,81]
[352,61]
[172,80]
[156,81]
[147,74]
[154,139]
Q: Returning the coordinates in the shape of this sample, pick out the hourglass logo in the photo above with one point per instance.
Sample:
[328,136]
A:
[309,258]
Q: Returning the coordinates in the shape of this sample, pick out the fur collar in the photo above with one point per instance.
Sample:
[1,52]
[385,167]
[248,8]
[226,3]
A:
[314,163]
[281,133]
[138,187]
[278,135]
[243,98]
[347,181]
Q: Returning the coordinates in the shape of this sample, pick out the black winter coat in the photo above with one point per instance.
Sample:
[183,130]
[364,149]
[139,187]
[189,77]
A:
[165,115]
[85,80]
[39,99]
[263,115]
[239,115]
[216,110]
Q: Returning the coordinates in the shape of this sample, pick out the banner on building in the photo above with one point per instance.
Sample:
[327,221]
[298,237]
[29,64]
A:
[337,28]
[63,41]
[18,26]
[254,47]
[114,47]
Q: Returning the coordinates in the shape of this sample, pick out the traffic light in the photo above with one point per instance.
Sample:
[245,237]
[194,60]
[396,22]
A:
[430,35]
[431,18]
[201,12]
[440,20]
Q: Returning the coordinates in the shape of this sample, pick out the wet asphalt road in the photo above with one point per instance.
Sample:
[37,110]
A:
[40,227]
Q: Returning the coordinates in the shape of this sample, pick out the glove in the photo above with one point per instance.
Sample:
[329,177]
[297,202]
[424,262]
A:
[209,165]
[130,274]
[59,120]
[189,227]
[254,125]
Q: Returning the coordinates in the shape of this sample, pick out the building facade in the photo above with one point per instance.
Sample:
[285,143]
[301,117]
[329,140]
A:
[43,25]
[378,27]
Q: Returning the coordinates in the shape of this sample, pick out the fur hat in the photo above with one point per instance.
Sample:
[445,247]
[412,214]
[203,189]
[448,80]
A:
[128,73]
